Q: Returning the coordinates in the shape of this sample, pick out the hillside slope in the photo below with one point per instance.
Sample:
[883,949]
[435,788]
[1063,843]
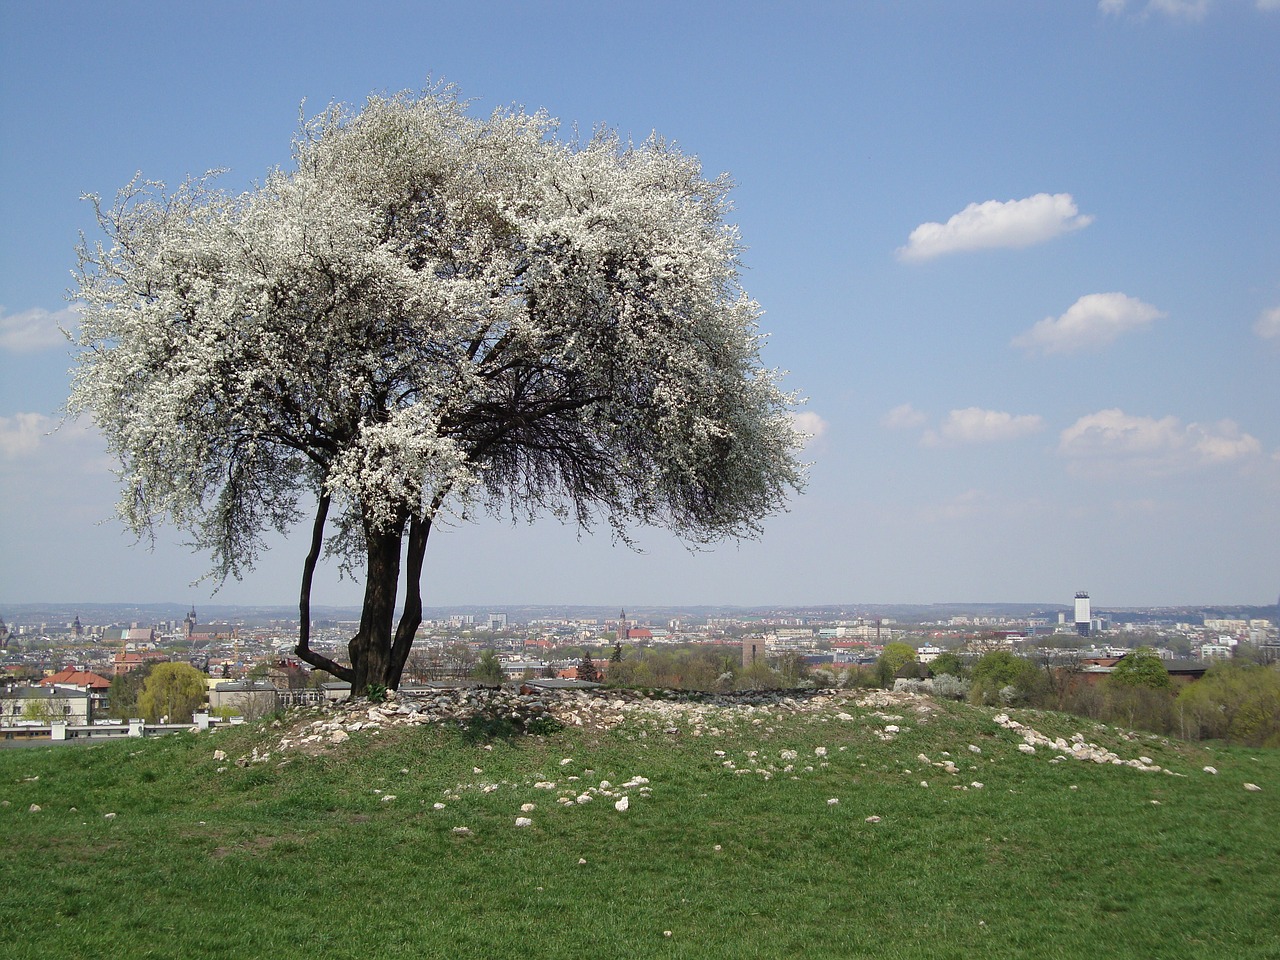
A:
[832,825]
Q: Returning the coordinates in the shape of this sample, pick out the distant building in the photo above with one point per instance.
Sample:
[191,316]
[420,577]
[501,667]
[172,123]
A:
[1084,621]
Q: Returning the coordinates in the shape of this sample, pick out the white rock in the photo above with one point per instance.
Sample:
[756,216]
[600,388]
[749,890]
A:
[462,831]
[976,785]
[1252,787]
[219,755]
[1213,770]
[974,749]
[388,798]
[820,751]
[1026,748]
[528,807]
[106,816]
[873,819]
[523,822]
[622,805]
[34,808]
[437,806]
[833,801]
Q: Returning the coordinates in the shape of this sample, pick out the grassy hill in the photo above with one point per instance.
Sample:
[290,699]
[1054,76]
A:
[807,828]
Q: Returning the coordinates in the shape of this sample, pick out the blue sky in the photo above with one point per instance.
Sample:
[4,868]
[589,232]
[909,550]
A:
[1022,258]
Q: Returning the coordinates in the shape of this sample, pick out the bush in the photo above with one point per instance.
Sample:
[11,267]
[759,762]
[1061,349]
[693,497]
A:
[1236,702]
[1000,669]
[950,687]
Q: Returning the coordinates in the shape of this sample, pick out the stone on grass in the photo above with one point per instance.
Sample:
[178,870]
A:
[1252,787]
[523,822]
[622,805]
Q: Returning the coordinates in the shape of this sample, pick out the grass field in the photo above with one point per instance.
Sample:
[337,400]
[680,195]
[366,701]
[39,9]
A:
[724,852]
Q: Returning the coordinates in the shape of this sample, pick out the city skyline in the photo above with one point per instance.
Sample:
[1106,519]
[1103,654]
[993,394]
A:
[1023,261]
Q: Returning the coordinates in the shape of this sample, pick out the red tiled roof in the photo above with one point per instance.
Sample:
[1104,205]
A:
[77,678]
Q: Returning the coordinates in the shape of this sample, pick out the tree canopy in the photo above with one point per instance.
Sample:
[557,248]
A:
[429,313]
[1141,668]
[173,691]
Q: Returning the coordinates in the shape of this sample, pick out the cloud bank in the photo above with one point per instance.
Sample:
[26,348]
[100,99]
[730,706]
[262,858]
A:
[1090,323]
[1268,325]
[1117,441]
[809,424]
[1174,9]
[995,223]
[903,417]
[975,425]
[35,329]
[21,434]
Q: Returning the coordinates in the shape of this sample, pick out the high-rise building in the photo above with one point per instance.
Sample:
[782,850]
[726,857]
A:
[1083,619]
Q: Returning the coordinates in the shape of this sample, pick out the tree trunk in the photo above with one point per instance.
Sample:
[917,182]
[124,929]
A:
[370,648]
[303,649]
[411,617]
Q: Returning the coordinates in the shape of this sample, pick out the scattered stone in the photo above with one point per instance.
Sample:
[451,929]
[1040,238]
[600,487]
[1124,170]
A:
[1212,770]
[622,805]
[108,816]
[388,798]
[437,806]
[833,801]
[219,755]
[528,807]
[523,822]
[462,831]
[1252,787]
[873,819]
[34,808]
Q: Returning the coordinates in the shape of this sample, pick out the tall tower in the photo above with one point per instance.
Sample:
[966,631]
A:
[1083,618]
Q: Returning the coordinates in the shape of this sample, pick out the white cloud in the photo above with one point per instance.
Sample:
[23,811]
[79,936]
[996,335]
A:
[32,436]
[22,433]
[1179,9]
[35,329]
[1268,325]
[1093,321]
[809,424]
[1112,439]
[975,425]
[1011,223]
[903,417]
[1174,9]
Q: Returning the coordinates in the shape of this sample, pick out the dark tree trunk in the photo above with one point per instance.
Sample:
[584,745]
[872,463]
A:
[303,649]
[377,656]
[411,617]
[370,648]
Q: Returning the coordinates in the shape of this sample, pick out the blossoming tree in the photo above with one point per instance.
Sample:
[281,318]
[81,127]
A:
[427,313]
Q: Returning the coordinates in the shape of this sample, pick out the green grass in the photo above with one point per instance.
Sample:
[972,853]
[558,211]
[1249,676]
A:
[307,860]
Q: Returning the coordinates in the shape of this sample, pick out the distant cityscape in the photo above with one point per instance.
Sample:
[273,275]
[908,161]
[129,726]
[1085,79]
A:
[228,643]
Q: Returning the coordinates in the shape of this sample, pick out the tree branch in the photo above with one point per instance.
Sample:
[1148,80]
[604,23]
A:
[303,649]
